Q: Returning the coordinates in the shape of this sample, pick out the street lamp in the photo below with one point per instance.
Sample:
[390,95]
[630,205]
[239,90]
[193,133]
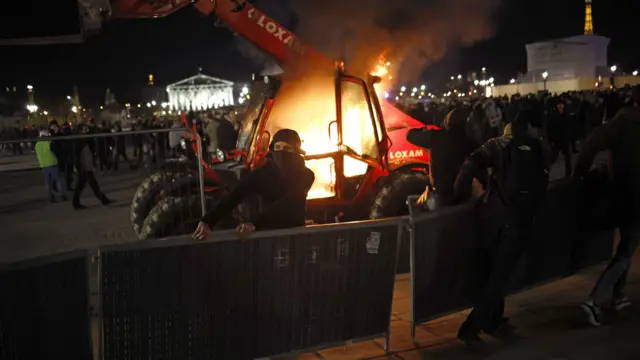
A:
[545,75]
[403,88]
[512,81]
[74,109]
[32,108]
[476,82]
[45,113]
[68,97]
[491,80]
[613,69]
[423,87]
[635,73]
[459,77]
[29,87]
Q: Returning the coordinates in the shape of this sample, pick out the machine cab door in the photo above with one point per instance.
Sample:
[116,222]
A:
[360,131]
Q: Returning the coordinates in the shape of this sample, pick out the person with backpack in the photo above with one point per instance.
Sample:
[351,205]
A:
[519,163]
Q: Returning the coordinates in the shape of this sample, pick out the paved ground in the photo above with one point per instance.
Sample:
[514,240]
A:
[550,327]
[32,226]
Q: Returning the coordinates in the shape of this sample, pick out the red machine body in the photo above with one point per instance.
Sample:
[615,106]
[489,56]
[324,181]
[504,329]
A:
[249,22]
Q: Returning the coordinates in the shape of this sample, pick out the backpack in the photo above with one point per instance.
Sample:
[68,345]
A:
[525,175]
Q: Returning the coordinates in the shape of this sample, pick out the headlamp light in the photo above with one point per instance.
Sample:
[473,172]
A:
[220,155]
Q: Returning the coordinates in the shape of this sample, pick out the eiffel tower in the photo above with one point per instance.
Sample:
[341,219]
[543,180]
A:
[588,18]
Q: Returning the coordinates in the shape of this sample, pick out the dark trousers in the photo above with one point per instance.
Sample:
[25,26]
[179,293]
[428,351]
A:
[66,169]
[556,149]
[116,159]
[83,178]
[506,232]
[614,277]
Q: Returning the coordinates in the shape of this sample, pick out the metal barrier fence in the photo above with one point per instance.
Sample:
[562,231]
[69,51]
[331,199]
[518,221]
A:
[44,309]
[446,271]
[278,292]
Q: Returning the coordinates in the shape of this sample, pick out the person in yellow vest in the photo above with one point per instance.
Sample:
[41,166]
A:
[49,166]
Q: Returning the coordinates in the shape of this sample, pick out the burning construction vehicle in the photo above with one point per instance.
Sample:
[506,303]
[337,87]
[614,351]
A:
[355,143]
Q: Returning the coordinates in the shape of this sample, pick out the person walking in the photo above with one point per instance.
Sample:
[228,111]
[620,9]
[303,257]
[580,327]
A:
[85,166]
[518,182]
[620,136]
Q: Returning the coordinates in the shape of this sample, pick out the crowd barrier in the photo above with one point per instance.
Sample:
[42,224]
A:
[274,293]
[447,273]
[44,309]
[277,292]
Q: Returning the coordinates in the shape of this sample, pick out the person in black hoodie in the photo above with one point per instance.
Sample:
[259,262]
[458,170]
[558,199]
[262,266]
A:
[448,148]
[559,132]
[282,183]
[83,153]
[119,150]
[519,164]
[63,149]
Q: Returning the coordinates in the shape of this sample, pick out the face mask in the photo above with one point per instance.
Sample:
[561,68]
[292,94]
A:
[287,161]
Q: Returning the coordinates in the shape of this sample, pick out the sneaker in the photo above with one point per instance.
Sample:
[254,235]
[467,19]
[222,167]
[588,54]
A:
[503,329]
[470,339]
[618,304]
[593,312]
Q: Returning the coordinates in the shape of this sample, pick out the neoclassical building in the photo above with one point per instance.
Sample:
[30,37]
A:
[200,92]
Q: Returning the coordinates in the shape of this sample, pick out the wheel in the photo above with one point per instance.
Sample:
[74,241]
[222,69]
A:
[178,216]
[391,199]
[146,196]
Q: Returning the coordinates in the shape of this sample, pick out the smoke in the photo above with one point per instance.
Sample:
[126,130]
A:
[411,34]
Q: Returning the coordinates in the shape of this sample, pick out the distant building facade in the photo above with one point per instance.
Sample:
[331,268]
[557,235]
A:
[200,92]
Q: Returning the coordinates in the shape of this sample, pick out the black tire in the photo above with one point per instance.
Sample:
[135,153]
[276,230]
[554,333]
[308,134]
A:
[391,199]
[146,196]
[172,216]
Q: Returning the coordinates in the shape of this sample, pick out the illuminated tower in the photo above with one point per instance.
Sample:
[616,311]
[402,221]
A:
[588,18]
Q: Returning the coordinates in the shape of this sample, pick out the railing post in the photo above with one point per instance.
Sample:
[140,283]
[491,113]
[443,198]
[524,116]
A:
[203,206]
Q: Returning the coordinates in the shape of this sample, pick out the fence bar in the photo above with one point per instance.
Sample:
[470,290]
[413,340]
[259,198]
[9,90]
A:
[203,206]
[94,135]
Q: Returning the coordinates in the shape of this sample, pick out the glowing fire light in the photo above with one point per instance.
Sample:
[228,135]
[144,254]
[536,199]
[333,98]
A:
[309,108]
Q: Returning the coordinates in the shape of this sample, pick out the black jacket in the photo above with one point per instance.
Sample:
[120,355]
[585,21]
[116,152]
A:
[621,135]
[283,198]
[447,151]
[489,156]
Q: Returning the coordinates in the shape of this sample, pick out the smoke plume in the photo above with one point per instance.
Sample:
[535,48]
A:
[411,34]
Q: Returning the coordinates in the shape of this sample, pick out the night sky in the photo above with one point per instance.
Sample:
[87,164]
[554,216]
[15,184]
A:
[126,51]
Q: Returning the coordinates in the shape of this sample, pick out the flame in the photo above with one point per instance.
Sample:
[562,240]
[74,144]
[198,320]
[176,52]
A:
[308,106]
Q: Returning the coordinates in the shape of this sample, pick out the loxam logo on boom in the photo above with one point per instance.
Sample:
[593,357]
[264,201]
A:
[396,155]
[276,30]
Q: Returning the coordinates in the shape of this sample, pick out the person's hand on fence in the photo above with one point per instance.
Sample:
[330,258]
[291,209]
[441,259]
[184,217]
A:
[202,231]
[245,229]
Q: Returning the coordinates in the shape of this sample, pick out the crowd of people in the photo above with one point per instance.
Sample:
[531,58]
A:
[508,145]
[62,160]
